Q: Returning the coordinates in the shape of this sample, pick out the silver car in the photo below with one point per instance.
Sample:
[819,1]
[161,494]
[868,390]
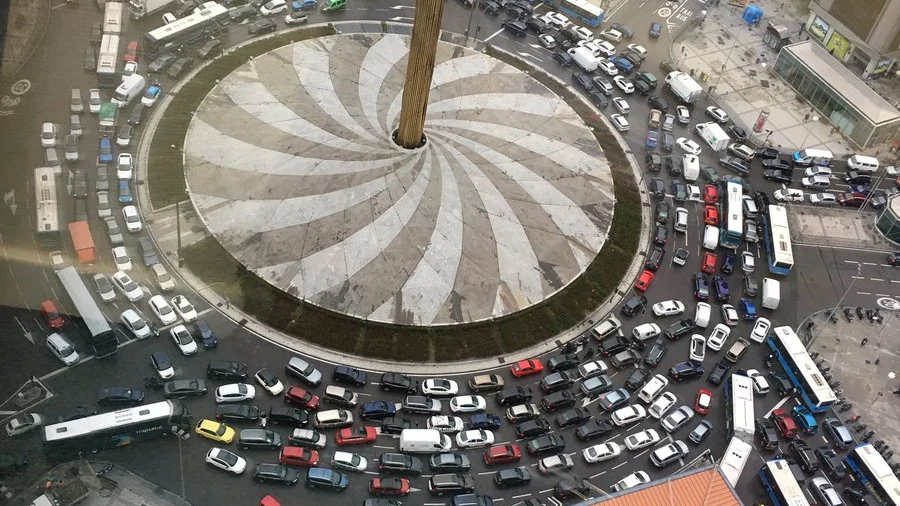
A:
[677,419]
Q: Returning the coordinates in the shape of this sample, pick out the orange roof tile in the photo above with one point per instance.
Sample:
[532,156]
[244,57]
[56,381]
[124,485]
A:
[706,487]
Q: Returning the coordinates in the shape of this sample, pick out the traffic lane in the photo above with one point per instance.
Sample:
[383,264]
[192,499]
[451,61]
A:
[823,278]
[25,351]
[870,274]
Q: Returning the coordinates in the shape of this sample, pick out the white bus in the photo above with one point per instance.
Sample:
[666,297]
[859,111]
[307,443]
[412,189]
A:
[735,459]
[740,420]
[206,21]
[112,18]
[815,393]
[47,207]
[108,62]
[101,335]
[779,482]
[584,11]
[870,468]
[733,231]
[778,240]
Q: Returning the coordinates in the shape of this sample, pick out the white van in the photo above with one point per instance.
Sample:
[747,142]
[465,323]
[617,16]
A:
[653,388]
[862,164]
[584,58]
[131,87]
[809,157]
[711,238]
[691,167]
[702,314]
[423,441]
[771,293]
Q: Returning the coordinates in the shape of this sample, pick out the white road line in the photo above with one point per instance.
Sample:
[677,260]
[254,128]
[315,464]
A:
[857,277]
[895,281]
[620,465]
[876,279]
[863,293]
[487,472]
[545,491]
[780,403]
[850,262]
[598,474]
[869,263]
[520,496]
[207,310]
[498,32]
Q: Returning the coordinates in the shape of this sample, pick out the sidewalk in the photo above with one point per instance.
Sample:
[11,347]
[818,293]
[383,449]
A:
[836,227]
[25,27]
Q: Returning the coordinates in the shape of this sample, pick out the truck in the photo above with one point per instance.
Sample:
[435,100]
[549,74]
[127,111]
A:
[713,134]
[82,241]
[108,114]
[423,441]
[584,58]
[771,293]
[684,87]
[130,88]
[141,8]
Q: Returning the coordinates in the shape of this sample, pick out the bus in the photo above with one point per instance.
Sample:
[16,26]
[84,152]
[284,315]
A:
[781,485]
[102,338]
[870,468]
[582,10]
[815,393]
[87,435]
[736,455]
[108,62]
[112,18]
[733,224]
[206,21]
[47,207]
[778,240]
[739,415]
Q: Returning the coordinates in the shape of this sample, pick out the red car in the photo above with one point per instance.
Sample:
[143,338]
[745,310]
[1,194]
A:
[269,501]
[643,282]
[710,194]
[51,313]
[527,367]
[388,486]
[301,398]
[356,435]
[297,456]
[711,216]
[131,52]
[784,423]
[709,263]
[502,454]
[703,401]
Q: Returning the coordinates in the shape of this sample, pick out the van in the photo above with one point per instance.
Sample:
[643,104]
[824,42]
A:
[131,87]
[691,167]
[77,103]
[771,293]
[333,5]
[653,388]
[862,164]
[711,238]
[333,418]
[584,58]
[259,439]
[75,125]
[702,314]
[750,209]
[807,157]
[423,441]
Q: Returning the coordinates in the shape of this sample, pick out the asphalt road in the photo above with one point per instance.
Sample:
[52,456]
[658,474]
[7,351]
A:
[177,465]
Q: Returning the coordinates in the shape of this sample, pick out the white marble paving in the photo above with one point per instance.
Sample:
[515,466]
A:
[379,61]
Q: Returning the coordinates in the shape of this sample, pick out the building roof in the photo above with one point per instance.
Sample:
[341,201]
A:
[703,487]
[843,81]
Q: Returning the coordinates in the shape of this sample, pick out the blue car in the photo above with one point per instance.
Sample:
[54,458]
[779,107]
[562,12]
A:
[805,420]
[304,5]
[106,155]
[207,336]
[721,286]
[484,421]
[622,64]
[125,196]
[377,410]
[748,309]
[655,29]
[652,139]
[727,266]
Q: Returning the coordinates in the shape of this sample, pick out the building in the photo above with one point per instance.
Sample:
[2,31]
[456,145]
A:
[888,221]
[839,95]
[706,486]
[863,32]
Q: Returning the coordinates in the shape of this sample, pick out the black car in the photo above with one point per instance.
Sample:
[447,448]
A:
[662,212]
[572,416]
[598,98]
[781,383]
[641,87]
[532,428]
[77,412]
[514,395]
[656,353]
[613,344]
[260,27]
[594,429]
[654,260]
[148,251]
[276,473]
[727,266]
[237,413]
[11,464]
[184,388]
[661,236]
[633,58]
[701,286]
[563,58]
[654,162]
[228,370]
[572,486]
[394,425]
[242,13]
[683,371]
[596,385]
[804,455]
[449,462]
[398,463]
[548,443]
[717,376]
[657,187]
[779,176]
[512,477]
[674,166]
[777,164]
[490,7]
[667,142]
[349,376]
[287,415]
[202,331]
[559,380]
[679,329]
[854,177]
[636,379]
[210,49]
[765,434]
[735,164]
[120,396]
[831,462]
[180,67]
[90,59]
[767,153]
[679,191]
[393,381]
[761,199]
[563,362]
[634,303]
[557,401]
[162,63]
[583,81]
[737,133]
[657,102]
[535,25]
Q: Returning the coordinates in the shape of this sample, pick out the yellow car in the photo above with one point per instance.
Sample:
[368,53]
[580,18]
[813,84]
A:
[214,430]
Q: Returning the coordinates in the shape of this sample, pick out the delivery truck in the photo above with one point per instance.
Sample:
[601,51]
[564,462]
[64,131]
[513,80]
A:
[141,8]
[771,293]
[684,87]
[82,241]
[713,135]
[132,87]
[423,441]
[584,58]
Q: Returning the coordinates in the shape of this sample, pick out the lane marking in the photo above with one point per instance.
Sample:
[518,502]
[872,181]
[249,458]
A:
[498,32]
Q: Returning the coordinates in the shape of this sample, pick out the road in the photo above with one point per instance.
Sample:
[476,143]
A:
[823,275]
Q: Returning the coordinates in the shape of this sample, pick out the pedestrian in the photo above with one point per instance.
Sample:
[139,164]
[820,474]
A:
[897,392]
[864,341]
[263,420]
[417,425]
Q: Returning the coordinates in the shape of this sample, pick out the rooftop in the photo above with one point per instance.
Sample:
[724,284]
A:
[703,487]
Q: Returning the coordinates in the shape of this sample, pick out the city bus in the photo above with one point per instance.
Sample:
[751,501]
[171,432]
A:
[778,240]
[206,21]
[104,431]
[583,11]
[870,468]
[815,393]
[735,459]
[112,18]
[47,207]
[739,416]
[779,482]
[101,335]
[108,62]
[733,229]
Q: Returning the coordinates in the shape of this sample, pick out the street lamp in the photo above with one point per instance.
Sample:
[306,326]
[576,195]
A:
[803,144]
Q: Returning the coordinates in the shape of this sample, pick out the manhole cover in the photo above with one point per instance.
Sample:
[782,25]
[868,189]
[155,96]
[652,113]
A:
[764,83]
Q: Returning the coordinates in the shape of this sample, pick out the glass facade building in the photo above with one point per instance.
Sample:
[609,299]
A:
[888,221]
[839,95]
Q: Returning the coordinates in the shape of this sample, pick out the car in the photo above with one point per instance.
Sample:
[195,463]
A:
[269,381]
[502,454]
[735,164]
[391,381]
[804,417]
[668,123]
[789,195]
[148,252]
[484,421]
[642,439]
[547,41]
[622,106]
[298,456]
[652,139]
[439,387]
[831,463]
[661,236]
[563,58]
[563,362]
[160,64]
[356,436]
[559,380]
[449,462]
[527,367]
[709,263]
[548,443]
[662,404]
[596,385]
[184,388]
[485,383]
[698,348]
[684,371]
[243,413]
[786,425]
[668,308]
[613,344]
[389,486]
[225,460]
[703,401]
[656,353]
[445,424]
[300,397]
[747,309]
[467,404]
[637,378]
[323,478]
[48,135]
[132,219]
[235,392]
[673,452]
[701,432]
[608,67]
[120,396]
[654,260]
[777,164]
[644,280]
[350,376]
[583,81]
[688,146]
[623,84]
[718,337]
[594,429]
[803,455]
[711,216]
[182,66]
[23,423]
[127,286]
[512,477]
[631,305]
[421,404]
[839,433]
[376,410]
[822,199]
[163,310]
[573,416]
[717,114]
[556,19]
[730,315]
[104,287]
[628,415]
[620,122]
[162,365]
[680,328]
[105,150]
[662,212]
[680,257]
[398,463]
[214,46]
[721,287]
[591,369]
[278,474]
[474,438]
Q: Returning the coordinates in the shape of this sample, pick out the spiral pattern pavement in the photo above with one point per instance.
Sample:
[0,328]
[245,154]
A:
[290,164]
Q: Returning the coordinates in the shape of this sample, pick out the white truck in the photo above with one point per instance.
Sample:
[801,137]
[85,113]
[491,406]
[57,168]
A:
[684,87]
[584,58]
[423,441]
[714,136]
[141,8]
[771,293]
[132,87]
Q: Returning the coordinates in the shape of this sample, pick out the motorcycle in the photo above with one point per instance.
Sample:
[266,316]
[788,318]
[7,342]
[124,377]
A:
[847,314]
[859,313]
[854,418]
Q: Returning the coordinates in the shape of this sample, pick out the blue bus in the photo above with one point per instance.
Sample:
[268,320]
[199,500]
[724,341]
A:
[873,471]
[778,240]
[582,10]
[778,480]
[815,393]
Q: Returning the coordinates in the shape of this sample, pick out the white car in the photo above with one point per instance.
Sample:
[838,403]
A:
[646,331]
[818,170]
[273,7]
[127,286]
[668,308]
[612,35]
[439,387]
[641,439]
[599,47]
[679,417]
[592,368]
[760,385]
[467,404]
[349,461]
[225,460]
[104,287]
[608,67]
[693,191]
[547,41]
[624,84]
[270,382]
[620,122]
[663,404]
[235,392]
[163,310]
[165,280]
[717,114]
[296,18]
[125,166]
[683,114]
[48,135]
[823,199]
[445,424]
[556,19]
[639,50]
[760,330]
[23,423]
[135,324]
[718,337]
[184,308]
[476,438]
[130,68]
[601,452]
[631,481]
[629,414]
[789,195]
[63,349]
[621,105]
[748,262]
[58,260]
[730,315]
[698,348]
[104,209]
[132,219]
[183,339]
[121,258]
[94,100]
[689,146]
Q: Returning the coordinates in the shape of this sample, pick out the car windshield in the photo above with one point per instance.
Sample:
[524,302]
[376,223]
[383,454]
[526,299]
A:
[185,338]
